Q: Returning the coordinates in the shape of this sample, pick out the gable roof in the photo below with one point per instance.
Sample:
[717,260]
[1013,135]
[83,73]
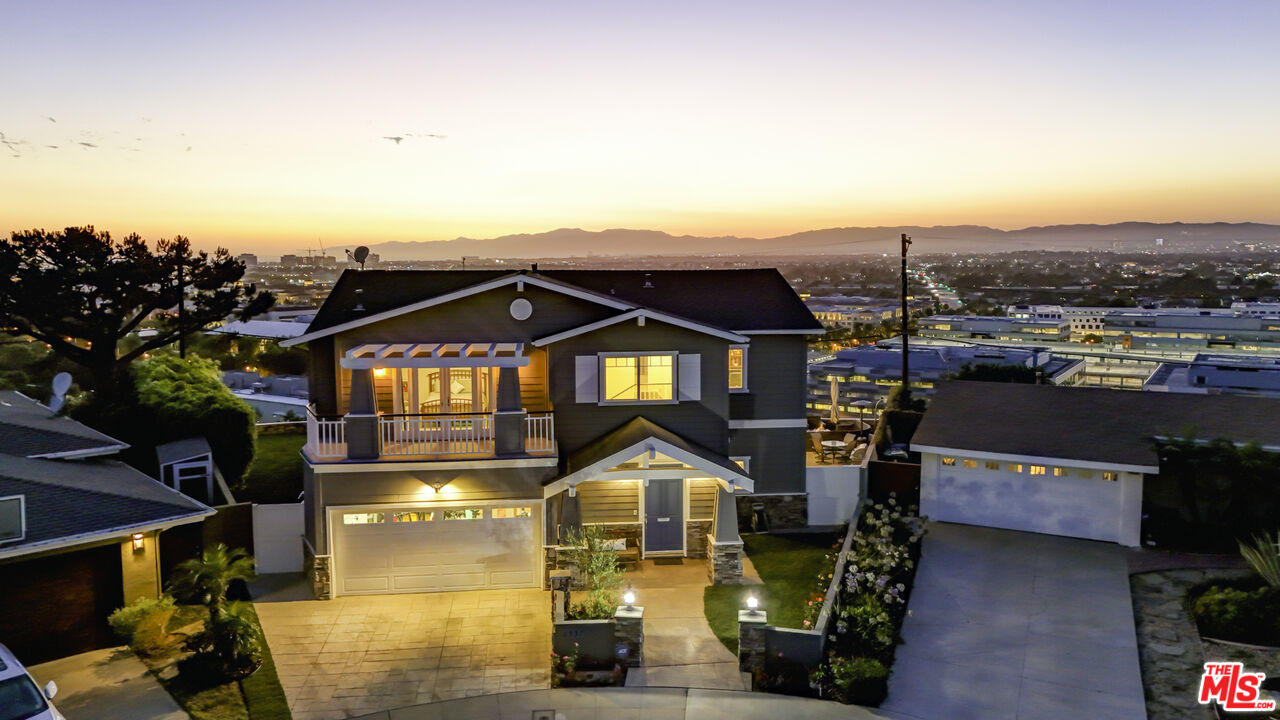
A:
[729,300]
[71,503]
[29,429]
[1097,425]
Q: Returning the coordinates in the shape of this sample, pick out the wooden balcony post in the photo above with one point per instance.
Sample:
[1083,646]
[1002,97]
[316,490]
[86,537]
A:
[362,417]
[509,419]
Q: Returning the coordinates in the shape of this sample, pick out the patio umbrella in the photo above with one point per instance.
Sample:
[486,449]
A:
[835,401]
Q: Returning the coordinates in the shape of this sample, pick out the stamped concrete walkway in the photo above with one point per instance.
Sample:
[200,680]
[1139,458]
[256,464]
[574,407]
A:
[354,655]
[1007,624]
[679,648]
[110,684]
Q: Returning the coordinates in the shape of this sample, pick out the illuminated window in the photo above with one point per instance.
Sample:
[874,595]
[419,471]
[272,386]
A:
[993,465]
[742,461]
[362,518]
[1110,476]
[948,461]
[639,378]
[464,514]
[1014,467]
[507,513]
[1037,469]
[1059,472]
[414,516]
[971,464]
[738,367]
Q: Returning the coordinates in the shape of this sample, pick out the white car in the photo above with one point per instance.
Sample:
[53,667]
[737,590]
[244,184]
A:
[20,699]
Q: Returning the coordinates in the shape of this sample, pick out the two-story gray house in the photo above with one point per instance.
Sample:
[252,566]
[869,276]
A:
[463,421]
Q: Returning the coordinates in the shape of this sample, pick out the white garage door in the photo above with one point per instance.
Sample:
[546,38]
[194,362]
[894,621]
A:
[392,549]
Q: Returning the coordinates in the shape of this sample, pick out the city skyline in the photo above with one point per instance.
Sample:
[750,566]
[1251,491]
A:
[264,128]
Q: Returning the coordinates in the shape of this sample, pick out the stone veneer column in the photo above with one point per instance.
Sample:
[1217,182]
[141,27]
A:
[725,565]
[751,642]
[628,632]
[318,572]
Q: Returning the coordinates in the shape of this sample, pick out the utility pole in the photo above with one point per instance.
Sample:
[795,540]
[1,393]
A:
[906,379]
[182,310]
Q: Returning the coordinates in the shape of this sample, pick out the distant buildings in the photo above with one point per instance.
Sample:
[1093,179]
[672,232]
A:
[1016,329]
[1210,374]
[870,373]
[249,260]
[1248,326]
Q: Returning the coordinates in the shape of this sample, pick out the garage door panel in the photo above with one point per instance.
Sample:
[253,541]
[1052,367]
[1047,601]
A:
[1069,506]
[438,554]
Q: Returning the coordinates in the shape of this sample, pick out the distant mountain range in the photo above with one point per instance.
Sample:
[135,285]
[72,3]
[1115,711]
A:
[574,242]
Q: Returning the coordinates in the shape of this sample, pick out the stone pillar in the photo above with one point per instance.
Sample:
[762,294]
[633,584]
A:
[362,417]
[318,572]
[751,642]
[628,635]
[560,582]
[724,545]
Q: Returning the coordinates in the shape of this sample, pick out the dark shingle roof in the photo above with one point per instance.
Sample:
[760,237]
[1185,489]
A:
[728,299]
[1089,424]
[66,499]
[184,449]
[28,429]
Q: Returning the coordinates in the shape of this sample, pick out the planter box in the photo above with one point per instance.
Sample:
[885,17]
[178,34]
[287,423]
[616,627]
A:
[596,641]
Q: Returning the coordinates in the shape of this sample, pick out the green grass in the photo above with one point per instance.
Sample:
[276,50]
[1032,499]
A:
[263,695]
[276,473]
[789,566]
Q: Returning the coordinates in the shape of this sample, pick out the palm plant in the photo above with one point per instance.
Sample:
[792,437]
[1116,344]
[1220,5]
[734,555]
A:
[205,580]
[231,640]
[1263,555]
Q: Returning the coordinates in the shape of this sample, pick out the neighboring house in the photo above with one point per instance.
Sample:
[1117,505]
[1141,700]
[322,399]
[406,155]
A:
[1064,460]
[79,532]
[463,421]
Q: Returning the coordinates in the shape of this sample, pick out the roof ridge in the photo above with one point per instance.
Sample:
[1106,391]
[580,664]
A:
[96,491]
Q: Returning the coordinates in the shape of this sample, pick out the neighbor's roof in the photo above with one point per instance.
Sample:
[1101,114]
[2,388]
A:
[71,503]
[272,329]
[184,449]
[29,429]
[1086,424]
[733,300]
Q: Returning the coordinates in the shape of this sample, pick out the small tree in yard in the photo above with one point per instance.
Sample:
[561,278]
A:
[83,293]
[230,640]
[593,553]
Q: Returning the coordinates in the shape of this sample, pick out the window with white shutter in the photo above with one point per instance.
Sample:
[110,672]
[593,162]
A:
[689,376]
[587,379]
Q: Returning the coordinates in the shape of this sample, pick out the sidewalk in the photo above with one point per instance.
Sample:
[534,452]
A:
[110,684]
[632,704]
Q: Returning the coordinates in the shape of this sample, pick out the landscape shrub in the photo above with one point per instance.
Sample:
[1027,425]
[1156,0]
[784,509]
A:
[1263,555]
[1239,614]
[144,623]
[592,552]
[859,680]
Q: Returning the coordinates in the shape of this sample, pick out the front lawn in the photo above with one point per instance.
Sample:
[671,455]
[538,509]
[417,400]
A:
[276,473]
[788,565]
[257,697]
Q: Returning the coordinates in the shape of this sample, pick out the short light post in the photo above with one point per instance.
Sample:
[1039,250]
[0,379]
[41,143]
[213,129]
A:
[628,630]
[751,636]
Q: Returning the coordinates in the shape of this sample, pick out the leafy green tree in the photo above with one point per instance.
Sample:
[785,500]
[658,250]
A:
[591,550]
[83,293]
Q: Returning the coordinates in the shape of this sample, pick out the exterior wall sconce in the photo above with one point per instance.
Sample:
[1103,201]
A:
[379,372]
[139,542]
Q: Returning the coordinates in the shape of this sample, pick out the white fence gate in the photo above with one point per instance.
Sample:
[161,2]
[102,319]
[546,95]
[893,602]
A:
[277,537]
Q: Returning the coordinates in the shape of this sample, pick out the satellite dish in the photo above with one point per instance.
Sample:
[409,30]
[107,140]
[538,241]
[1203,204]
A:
[360,254]
[61,384]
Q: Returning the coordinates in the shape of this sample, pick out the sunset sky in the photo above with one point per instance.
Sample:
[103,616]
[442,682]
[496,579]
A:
[262,126]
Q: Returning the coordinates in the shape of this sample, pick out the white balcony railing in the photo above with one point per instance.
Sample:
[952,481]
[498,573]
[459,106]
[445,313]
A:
[540,434]
[465,434]
[326,437]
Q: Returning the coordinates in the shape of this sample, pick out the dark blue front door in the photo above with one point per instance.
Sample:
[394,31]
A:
[664,516]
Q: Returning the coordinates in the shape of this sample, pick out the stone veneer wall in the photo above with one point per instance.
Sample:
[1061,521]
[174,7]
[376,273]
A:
[725,567]
[696,533]
[318,573]
[784,512]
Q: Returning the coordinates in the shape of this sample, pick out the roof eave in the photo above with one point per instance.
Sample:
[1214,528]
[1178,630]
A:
[71,541]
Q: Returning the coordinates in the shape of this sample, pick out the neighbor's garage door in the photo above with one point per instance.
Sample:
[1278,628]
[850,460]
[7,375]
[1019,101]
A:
[58,605]
[388,549]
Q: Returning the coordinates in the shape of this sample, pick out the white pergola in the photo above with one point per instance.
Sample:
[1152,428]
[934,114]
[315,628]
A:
[433,355]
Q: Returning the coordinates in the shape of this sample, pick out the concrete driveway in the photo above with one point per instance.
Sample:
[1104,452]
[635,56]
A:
[110,684]
[1007,624]
[354,655]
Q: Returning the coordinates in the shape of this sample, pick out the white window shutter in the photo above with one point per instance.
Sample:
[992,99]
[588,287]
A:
[587,379]
[689,375]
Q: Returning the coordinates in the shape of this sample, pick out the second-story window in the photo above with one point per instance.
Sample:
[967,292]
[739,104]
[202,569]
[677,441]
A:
[738,368]
[639,378]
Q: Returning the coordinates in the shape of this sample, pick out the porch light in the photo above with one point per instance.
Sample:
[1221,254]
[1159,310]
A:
[629,597]
[379,372]
[137,541]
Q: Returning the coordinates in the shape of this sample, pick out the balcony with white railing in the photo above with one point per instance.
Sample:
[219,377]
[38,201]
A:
[441,436]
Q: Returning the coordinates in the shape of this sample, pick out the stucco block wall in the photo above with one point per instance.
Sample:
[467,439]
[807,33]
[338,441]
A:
[140,569]
[1071,506]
